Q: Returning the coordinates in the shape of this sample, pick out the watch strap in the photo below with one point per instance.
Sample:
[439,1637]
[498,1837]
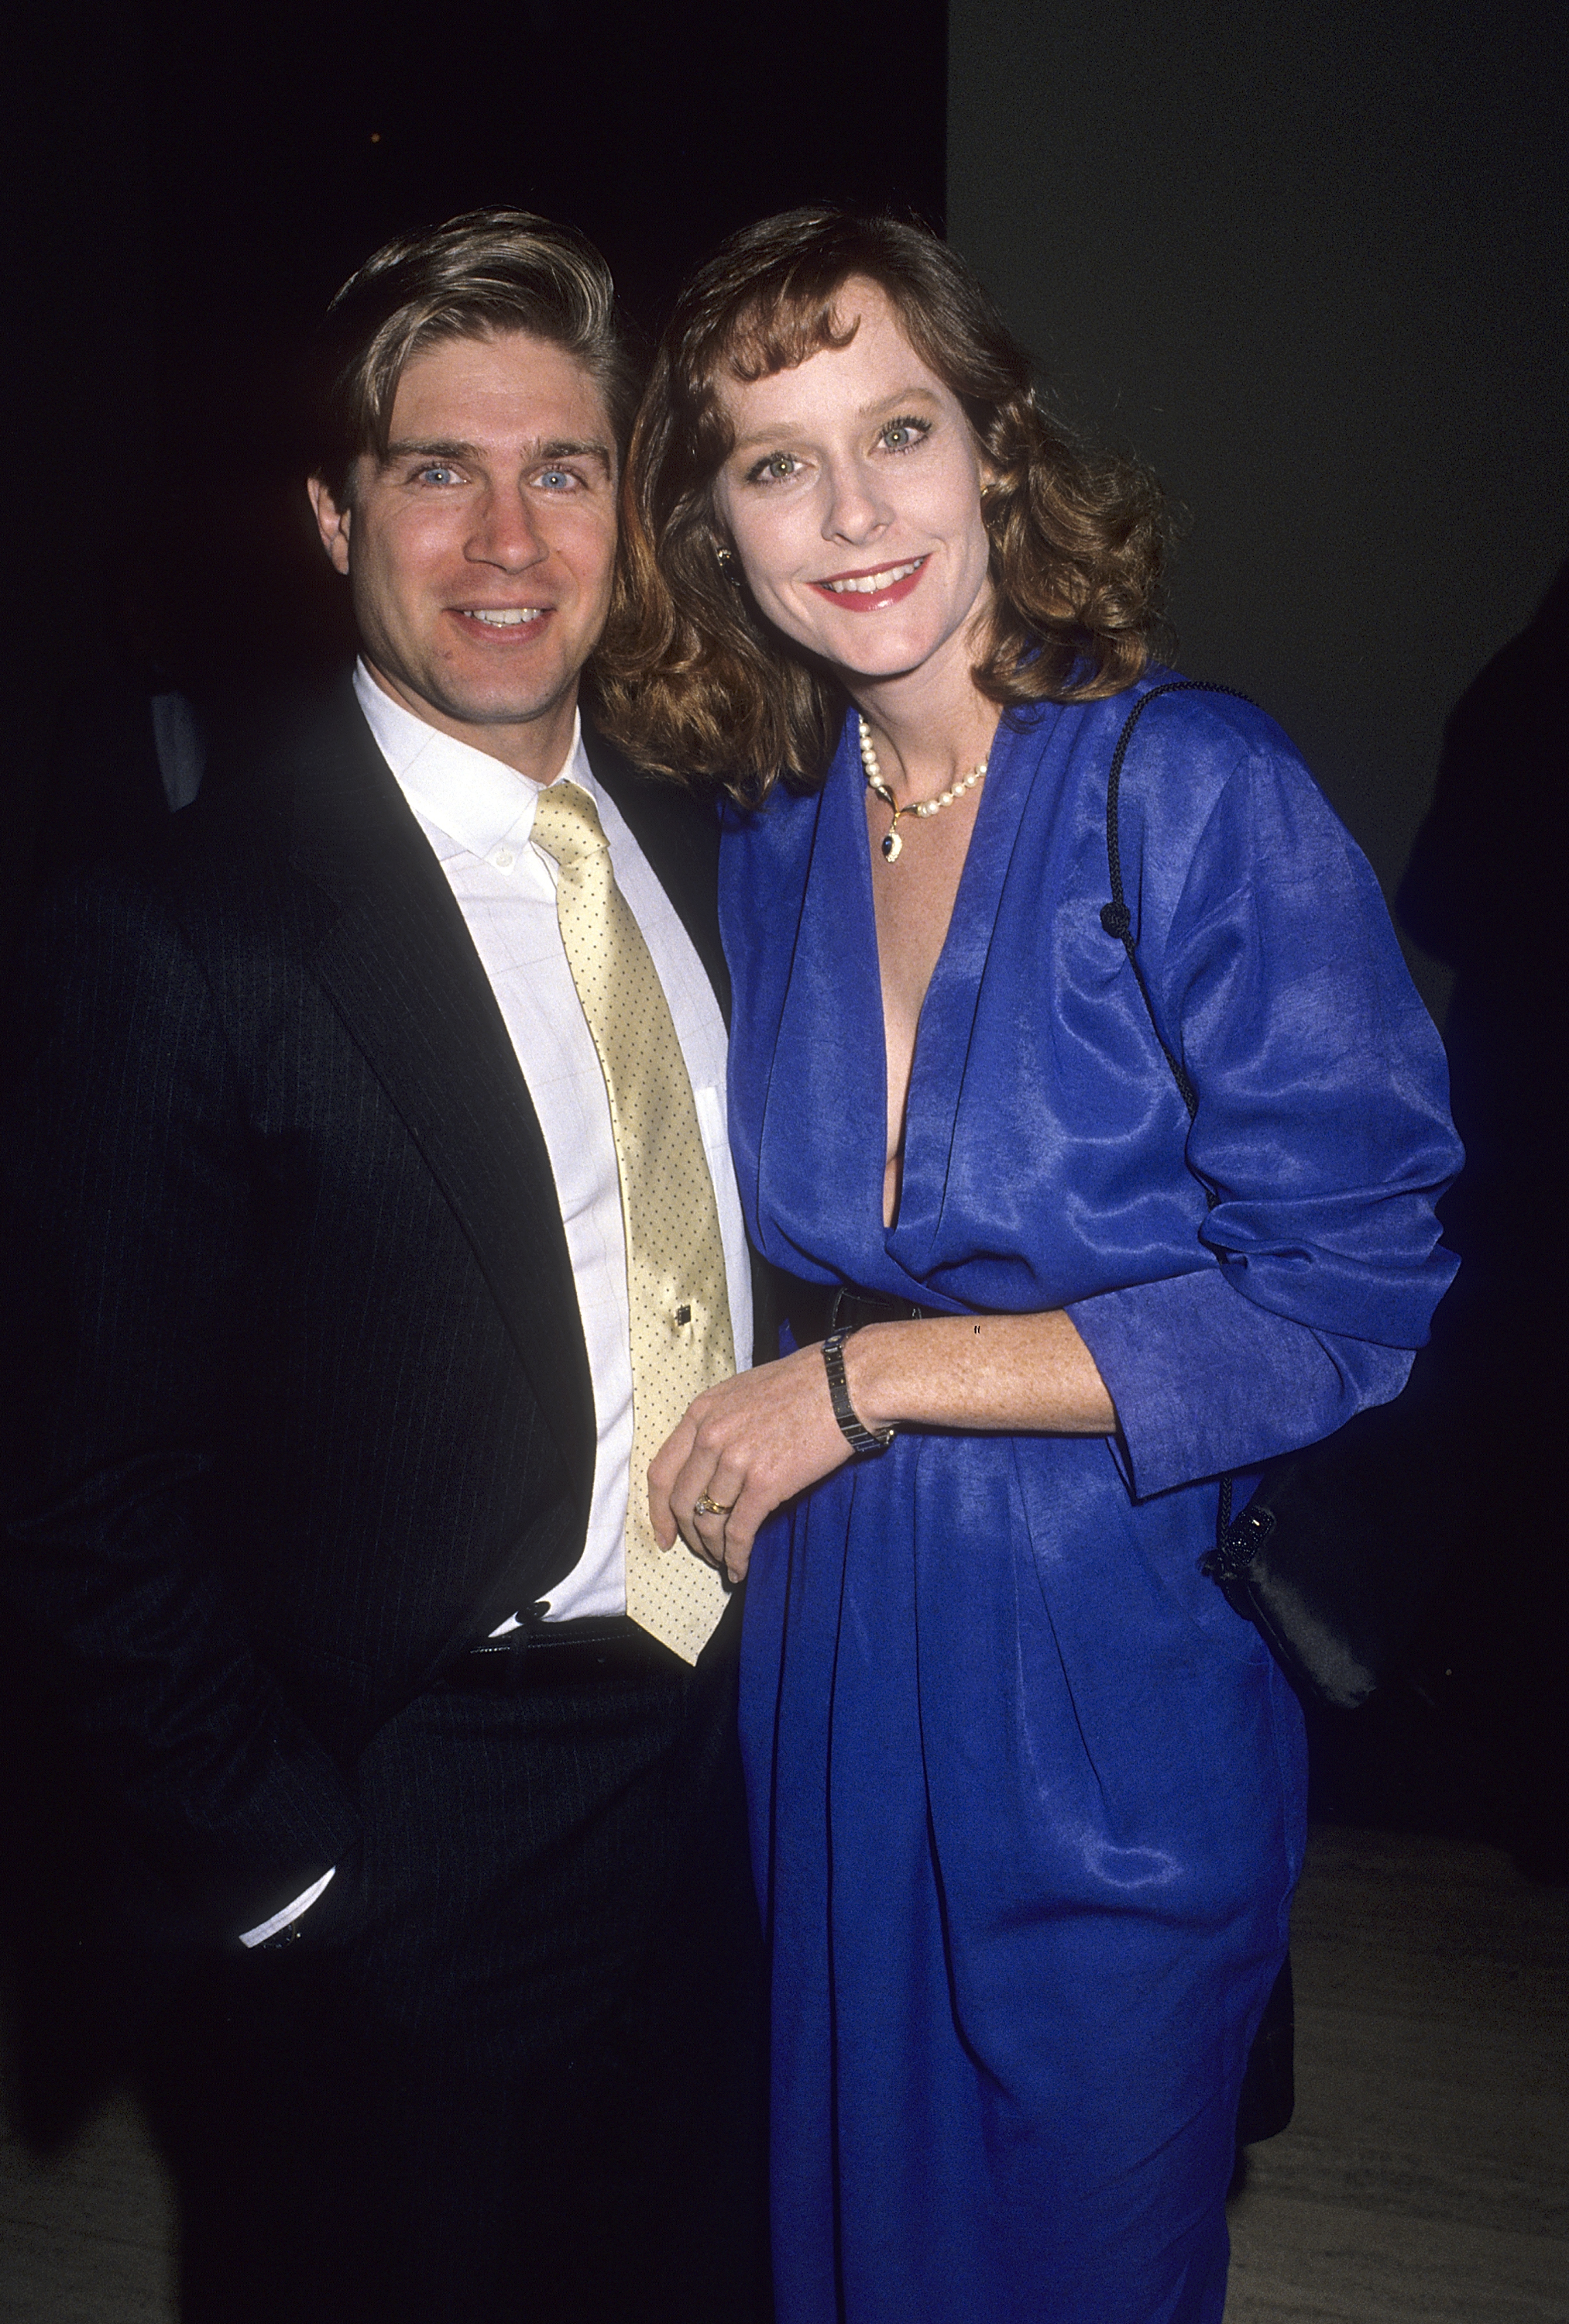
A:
[855,1433]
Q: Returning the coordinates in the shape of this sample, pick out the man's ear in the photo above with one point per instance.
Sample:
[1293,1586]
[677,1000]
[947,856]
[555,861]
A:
[331,522]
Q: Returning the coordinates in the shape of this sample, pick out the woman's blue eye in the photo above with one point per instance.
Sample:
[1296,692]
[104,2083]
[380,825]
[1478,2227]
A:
[775,469]
[903,434]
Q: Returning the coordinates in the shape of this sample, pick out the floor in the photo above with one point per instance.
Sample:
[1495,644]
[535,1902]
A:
[1425,2176]
[88,2239]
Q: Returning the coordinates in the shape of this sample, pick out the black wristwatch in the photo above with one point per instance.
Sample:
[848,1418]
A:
[855,1433]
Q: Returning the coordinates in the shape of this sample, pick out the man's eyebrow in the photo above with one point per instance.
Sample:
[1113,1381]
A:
[447,449]
[863,412]
[430,447]
[564,449]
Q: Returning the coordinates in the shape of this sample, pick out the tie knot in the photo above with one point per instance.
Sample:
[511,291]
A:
[566,824]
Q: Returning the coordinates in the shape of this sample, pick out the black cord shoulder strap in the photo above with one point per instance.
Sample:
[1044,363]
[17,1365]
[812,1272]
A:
[1116,917]
[1117,921]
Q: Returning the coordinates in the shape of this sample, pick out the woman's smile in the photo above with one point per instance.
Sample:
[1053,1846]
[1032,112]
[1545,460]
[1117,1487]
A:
[868,591]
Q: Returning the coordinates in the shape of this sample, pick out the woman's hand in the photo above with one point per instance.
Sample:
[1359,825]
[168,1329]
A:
[747,1444]
[752,1442]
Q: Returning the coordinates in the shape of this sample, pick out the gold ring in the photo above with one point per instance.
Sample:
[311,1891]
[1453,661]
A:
[705,1508]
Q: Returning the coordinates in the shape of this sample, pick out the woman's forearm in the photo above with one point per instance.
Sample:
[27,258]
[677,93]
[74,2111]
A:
[752,1442]
[1011,1373]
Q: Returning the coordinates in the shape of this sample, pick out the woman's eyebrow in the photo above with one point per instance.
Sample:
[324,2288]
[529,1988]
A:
[898,395]
[764,436]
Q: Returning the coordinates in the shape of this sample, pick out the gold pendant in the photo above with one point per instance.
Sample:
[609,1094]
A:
[892,845]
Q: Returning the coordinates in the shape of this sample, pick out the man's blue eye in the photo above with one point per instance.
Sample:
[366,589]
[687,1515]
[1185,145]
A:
[555,478]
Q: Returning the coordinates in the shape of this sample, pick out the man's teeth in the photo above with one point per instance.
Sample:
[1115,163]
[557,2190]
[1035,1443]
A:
[506,617]
[867,584]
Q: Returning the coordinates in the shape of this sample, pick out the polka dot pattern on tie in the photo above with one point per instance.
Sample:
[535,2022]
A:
[678,1297]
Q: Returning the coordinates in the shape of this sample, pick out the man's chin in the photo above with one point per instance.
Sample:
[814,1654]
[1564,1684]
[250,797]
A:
[483,703]
[508,710]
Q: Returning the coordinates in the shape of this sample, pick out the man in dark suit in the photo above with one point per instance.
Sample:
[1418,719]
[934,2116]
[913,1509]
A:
[330,1176]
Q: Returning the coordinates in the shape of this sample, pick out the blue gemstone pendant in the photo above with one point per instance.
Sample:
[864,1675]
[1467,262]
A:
[892,844]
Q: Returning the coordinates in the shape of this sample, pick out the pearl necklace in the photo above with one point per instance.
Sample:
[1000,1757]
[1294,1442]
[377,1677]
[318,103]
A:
[892,842]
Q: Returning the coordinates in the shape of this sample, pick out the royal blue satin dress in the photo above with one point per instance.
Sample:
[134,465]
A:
[1027,1796]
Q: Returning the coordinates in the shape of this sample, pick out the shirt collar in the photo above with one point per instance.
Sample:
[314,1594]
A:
[470,798]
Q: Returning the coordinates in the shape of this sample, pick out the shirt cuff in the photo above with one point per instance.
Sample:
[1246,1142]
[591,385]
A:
[265,1929]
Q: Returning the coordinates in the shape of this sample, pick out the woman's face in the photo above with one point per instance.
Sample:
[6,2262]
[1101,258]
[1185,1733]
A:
[852,497]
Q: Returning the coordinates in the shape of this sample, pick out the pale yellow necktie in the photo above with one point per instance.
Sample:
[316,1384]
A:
[676,1291]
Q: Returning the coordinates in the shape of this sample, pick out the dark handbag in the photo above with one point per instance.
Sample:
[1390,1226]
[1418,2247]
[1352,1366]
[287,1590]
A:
[1329,1557]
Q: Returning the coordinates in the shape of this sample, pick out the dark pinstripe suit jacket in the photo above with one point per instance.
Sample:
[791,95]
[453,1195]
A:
[305,1406]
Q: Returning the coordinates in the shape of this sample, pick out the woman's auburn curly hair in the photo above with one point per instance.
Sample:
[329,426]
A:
[690,678]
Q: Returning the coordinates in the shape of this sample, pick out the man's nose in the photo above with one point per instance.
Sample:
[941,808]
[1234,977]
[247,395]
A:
[505,533]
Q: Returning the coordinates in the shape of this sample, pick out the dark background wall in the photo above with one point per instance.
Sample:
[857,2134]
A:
[1308,263]
[1311,264]
[188,185]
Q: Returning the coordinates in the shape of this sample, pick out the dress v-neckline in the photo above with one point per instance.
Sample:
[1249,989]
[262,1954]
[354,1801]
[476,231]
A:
[947,1005]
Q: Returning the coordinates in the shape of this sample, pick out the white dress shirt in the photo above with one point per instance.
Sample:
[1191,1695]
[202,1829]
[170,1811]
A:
[477,816]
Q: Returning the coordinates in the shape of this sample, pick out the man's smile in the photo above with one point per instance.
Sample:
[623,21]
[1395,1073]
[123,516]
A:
[501,625]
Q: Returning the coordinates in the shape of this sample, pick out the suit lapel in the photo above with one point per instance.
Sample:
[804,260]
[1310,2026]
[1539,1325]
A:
[680,837]
[401,970]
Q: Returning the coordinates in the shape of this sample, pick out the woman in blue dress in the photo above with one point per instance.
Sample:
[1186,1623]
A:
[1027,1796]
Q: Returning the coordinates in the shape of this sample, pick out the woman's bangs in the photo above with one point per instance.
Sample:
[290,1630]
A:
[782,332]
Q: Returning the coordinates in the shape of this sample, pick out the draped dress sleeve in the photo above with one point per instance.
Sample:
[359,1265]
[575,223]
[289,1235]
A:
[1322,1125]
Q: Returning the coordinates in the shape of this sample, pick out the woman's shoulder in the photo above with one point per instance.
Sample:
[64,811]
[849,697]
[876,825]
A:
[1210,727]
[1183,752]
[1211,801]
[789,813]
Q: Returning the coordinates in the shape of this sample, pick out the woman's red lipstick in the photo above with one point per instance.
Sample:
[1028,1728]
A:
[909,570]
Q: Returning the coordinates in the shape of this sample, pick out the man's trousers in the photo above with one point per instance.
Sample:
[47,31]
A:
[513,2065]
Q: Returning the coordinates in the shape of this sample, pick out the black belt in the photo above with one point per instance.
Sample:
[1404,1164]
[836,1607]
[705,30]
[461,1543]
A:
[814,1310]
[562,1654]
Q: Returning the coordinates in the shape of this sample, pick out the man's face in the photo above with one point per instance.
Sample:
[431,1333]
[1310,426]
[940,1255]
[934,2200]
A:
[481,550]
